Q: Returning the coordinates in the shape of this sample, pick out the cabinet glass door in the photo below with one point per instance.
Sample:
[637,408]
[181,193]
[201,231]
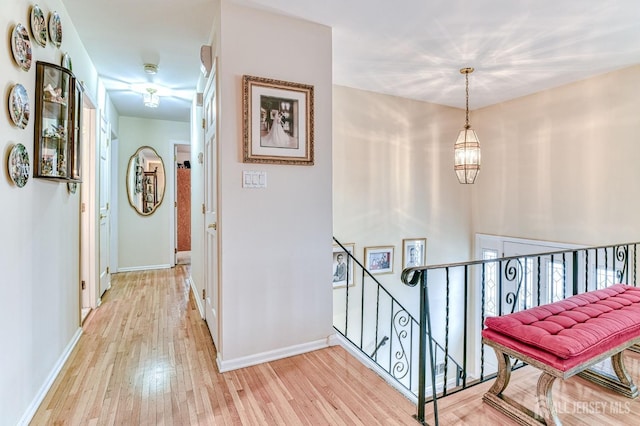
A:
[54,132]
[75,153]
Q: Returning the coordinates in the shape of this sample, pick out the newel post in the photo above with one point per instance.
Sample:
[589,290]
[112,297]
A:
[425,338]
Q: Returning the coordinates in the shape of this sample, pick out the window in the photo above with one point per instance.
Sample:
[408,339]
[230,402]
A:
[604,278]
[490,282]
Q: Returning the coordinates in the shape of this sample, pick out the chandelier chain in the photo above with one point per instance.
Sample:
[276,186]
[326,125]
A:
[466,123]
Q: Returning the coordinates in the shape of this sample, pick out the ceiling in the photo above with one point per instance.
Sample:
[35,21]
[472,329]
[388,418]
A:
[128,34]
[412,49]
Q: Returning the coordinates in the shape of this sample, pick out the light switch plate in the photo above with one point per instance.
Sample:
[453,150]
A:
[254,179]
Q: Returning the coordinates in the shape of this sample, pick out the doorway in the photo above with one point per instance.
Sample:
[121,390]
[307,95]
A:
[183,204]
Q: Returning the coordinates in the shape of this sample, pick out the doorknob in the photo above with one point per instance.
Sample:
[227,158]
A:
[213,226]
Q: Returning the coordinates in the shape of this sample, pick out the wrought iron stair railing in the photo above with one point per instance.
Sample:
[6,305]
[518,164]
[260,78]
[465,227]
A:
[455,299]
[368,316]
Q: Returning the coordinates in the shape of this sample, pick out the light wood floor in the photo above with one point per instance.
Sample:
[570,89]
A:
[146,358]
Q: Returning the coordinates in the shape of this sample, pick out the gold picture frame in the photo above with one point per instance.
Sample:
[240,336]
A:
[277,121]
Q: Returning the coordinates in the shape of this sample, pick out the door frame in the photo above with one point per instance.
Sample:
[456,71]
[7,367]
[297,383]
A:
[113,207]
[174,220]
[88,211]
[104,138]
[172,193]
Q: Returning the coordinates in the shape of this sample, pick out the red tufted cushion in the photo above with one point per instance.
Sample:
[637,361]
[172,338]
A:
[570,327]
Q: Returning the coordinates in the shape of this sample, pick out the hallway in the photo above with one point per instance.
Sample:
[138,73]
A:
[146,358]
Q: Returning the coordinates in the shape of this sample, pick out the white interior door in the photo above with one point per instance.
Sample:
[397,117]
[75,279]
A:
[103,206]
[88,190]
[212,294]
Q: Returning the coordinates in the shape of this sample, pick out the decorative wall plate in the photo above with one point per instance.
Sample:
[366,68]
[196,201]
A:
[18,165]
[55,29]
[19,106]
[39,26]
[66,62]
[21,47]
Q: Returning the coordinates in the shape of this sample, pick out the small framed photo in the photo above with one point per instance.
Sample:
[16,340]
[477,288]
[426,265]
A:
[277,121]
[343,265]
[413,252]
[379,260]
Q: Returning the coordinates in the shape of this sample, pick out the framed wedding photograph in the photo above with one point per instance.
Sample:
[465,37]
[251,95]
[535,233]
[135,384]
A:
[343,265]
[413,252]
[277,121]
[379,260]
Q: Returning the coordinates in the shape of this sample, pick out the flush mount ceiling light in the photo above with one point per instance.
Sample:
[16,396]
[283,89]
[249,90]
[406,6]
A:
[151,98]
[467,148]
[151,68]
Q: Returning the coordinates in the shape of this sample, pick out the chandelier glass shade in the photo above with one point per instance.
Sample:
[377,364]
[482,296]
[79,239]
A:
[151,98]
[467,148]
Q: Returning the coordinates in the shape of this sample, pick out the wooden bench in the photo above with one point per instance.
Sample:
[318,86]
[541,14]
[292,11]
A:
[564,339]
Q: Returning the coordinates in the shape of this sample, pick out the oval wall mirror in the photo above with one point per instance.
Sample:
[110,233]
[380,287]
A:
[145,180]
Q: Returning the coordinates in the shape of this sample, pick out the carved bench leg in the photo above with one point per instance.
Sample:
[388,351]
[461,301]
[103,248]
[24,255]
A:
[504,404]
[504,373]
[623,376]
[545,400]
[624,385]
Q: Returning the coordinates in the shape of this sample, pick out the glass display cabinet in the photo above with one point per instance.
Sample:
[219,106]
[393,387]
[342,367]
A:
[57,123]
[76,157]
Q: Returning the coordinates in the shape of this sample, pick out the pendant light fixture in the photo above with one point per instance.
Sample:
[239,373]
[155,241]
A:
[467,148]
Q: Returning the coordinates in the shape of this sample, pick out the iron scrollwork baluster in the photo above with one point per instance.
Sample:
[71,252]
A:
[401,321]
[513,273]
[621,255]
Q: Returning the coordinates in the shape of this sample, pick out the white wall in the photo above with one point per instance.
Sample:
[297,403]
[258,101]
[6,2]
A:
[182,156]
[393,179]
[561,165]
[144,242]
[275,243]
[39,307]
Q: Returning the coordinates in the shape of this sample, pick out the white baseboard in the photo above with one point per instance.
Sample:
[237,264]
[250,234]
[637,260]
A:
[196,296]
[233,364]
[144,268]
[42,393]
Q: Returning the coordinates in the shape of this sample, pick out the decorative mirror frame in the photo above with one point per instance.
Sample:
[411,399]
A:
[137,181]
